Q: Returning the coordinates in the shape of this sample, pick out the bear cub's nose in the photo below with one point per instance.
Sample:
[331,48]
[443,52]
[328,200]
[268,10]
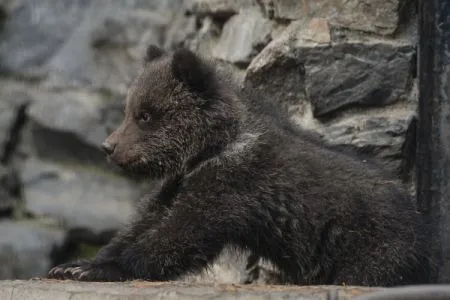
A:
[108,148]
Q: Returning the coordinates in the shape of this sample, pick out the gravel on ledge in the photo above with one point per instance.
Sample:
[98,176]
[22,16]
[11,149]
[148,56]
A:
[43,289]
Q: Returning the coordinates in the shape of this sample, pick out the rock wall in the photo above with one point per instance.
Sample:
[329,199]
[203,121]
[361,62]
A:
[345,69]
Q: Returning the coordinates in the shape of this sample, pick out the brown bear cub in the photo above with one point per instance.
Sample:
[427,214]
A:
[233,176]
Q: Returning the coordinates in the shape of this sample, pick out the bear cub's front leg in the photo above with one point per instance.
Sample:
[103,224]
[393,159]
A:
[89,270]
[104,267]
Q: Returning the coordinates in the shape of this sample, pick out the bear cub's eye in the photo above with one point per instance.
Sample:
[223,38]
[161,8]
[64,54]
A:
[145,117]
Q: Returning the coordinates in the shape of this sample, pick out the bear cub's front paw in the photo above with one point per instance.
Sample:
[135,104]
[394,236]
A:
[87,270]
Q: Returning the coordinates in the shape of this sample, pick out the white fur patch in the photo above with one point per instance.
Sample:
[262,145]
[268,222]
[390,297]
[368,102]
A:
[235,151]
[243,143]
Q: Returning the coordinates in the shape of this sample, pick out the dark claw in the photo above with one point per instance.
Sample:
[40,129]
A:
[63,271]
[85,270]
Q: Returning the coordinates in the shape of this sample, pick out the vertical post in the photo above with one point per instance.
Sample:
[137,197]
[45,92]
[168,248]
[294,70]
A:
[433,132]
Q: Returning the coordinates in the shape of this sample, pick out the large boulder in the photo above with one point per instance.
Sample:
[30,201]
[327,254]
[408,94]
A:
[9,190]
[242,37]
[83,43]
[352,91]
[13,105]
[221,9]
[70,125]
[376,16]
[78,196]
[26,249]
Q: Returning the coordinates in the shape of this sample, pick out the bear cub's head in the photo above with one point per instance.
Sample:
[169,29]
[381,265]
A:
[177,112]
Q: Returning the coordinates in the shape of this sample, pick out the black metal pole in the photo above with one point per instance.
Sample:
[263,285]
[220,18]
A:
[433,132]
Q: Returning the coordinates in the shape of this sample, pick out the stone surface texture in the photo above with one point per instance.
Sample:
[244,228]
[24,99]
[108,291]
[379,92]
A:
[342,68]
[376,16]
[241,36]
[25,248]
[59,290]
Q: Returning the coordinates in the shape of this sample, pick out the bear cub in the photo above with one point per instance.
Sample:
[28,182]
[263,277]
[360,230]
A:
[235,177]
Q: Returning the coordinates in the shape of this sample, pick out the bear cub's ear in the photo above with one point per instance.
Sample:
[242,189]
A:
[153,52]
[188,68]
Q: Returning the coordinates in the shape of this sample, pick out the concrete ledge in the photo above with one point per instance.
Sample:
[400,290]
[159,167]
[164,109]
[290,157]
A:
[136,290]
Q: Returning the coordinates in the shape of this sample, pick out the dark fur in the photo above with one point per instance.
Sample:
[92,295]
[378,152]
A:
[239,176]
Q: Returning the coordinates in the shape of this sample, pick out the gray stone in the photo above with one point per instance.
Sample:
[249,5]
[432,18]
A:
[9,5]
[377,16]
[368,74]
[380,134]
[34,33]
[78,111]
[78,196]
[84,43]
[137,290]
[301,64]
[279,69]
[182,29]
[9,189]
[6,202]
[13,101]
[281,77]
[242,36]
[107,48]
[25,249]
[220,8]
[6,292]
[3,15]
[339,82]
[70,124]
[13,104]
[206,38]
